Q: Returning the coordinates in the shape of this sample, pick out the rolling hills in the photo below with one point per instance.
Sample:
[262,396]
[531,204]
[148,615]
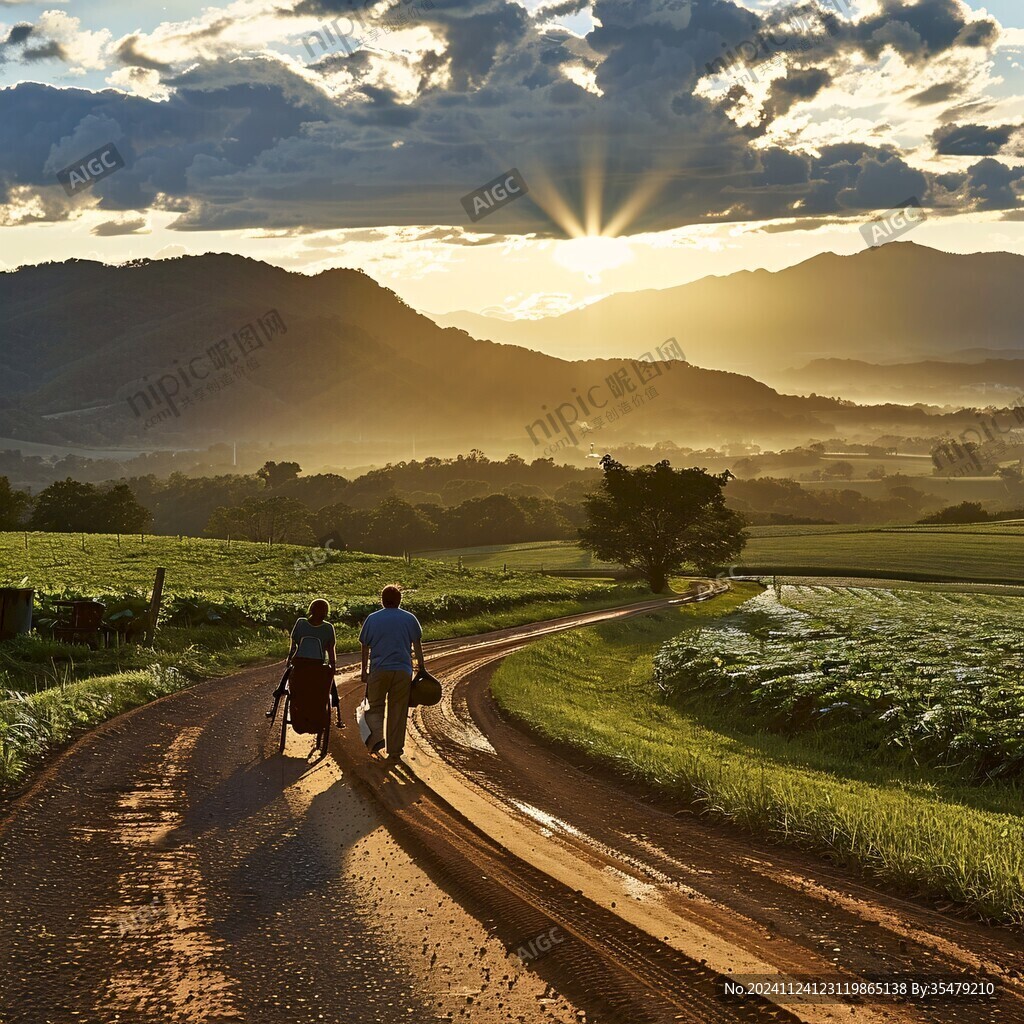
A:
[190,351]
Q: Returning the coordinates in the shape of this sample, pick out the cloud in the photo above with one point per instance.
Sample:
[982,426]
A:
[126,51]
[990,185]
[227,123]
[971,139]
[56,36]
[18,34]
[941,92]
[129,226]
[50,50]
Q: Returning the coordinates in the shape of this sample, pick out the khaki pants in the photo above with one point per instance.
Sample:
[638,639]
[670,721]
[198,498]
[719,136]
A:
[393,688]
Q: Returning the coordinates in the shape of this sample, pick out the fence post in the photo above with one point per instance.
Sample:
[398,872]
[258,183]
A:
[154,604]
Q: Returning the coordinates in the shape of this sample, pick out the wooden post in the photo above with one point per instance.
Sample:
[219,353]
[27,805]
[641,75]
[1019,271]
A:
[154,604]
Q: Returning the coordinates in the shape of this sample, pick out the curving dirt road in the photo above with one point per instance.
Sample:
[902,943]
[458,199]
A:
[173,867]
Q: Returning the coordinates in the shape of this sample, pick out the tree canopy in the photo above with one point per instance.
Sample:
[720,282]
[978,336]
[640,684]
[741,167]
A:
[657,520]
[69,506]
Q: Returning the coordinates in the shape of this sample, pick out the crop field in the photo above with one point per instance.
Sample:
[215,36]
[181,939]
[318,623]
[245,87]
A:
[935,678]
[981,551]
[536,555]
[883,729]
[211,581]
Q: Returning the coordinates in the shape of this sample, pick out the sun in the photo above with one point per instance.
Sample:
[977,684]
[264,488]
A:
[593,255]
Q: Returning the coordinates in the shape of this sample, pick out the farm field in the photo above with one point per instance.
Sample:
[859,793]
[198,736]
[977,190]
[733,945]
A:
[212,581]
[881,728]
[933,677]
[980,551]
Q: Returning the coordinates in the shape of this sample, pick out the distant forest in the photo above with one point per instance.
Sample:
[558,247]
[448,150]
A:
[408,506]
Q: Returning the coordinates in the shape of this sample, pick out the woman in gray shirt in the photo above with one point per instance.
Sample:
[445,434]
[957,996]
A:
[313,637]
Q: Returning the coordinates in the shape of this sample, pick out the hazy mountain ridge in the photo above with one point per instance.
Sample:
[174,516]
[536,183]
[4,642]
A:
[896,301]
[79,338]
[990,381]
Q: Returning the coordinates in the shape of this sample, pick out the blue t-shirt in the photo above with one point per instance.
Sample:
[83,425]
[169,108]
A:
[389,634]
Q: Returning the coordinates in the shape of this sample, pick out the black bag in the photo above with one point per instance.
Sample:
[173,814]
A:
[425,691]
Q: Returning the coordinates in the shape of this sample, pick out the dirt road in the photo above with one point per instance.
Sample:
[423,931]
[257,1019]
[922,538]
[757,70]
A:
[173,867]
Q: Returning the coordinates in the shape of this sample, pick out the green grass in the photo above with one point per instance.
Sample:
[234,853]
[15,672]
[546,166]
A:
[224,606]
[983,552]
[549,554]
[33,725]
[921,829]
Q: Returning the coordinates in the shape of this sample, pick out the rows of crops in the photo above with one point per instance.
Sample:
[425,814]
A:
[936,677]
[211,582]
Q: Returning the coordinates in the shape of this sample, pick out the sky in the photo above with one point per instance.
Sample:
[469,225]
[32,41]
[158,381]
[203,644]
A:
[658,141]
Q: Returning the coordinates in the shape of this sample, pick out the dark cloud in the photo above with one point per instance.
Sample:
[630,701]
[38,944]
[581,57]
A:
[19,33]
[45,51]
[942,92]
[108,228]
[259,143]
[951,182]
[798,85]
[971,139]
[127,53]
[990,185]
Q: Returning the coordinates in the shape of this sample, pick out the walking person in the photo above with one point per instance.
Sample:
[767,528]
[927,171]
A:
[388,638]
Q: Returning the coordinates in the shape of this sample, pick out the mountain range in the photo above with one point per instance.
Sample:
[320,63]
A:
[981,383]
[896,302]
[131,355]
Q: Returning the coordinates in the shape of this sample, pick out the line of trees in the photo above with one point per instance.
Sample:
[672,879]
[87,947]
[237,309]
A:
[396,526]
[70,506]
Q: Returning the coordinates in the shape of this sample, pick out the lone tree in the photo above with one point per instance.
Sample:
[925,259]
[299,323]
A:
[657,519]
[273,474]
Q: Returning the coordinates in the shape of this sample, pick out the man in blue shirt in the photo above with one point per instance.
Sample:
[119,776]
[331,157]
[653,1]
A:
[388,638]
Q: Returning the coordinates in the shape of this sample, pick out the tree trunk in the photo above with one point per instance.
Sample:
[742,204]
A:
[657,580]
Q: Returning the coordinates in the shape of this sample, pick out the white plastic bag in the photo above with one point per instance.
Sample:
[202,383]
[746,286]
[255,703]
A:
[364,729]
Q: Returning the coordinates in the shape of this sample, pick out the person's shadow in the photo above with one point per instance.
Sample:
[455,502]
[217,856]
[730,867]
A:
[239,797]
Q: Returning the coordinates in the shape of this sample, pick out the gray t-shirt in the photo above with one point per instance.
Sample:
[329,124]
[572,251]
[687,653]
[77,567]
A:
[312,641]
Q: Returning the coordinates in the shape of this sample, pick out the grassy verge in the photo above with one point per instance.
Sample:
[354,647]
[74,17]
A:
[50,693]
[916,828]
